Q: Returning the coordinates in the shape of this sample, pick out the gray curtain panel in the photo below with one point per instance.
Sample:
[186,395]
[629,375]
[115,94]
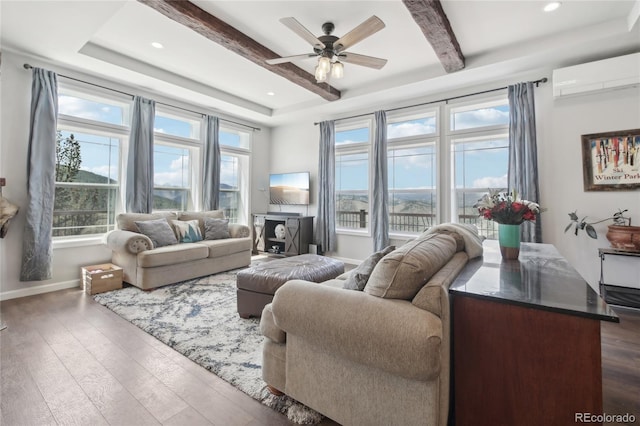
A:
[326,220]
[41,180]
[139,185]
[380,206]
[523,154]
[211,164]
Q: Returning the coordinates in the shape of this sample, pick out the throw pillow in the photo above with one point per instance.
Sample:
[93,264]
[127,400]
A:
[216,229]
[158,231]
[188,231]
[401,274]
[358,278]
[201,216]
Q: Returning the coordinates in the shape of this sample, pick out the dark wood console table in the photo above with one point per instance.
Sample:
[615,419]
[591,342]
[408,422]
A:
[526,340]
[298,234]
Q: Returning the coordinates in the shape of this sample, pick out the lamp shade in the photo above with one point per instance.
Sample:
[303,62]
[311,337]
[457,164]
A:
[324,64]
[320,75]
[337,70]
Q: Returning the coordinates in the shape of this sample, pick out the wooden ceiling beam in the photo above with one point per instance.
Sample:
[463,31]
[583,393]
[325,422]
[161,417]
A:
[207,25]
[435,26]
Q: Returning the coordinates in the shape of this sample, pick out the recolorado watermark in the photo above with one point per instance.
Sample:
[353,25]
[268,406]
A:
[604,418]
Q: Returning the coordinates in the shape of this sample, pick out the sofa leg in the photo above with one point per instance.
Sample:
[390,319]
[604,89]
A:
[244,316]
[274,391]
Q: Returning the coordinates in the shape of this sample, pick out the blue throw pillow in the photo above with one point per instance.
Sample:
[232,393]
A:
[188,231]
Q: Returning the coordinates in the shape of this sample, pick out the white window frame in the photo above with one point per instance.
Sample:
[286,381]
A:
[74,124]
[479,133]
[417,141]
[355,148]
[244,168]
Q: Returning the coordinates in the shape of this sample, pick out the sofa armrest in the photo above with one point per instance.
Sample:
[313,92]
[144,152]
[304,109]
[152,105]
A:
[392,335]
[127,241]
[237,230]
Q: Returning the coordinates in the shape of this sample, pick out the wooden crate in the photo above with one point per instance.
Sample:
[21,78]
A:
[101,278]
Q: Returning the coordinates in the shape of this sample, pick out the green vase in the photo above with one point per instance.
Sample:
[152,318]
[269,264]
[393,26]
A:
[509,240]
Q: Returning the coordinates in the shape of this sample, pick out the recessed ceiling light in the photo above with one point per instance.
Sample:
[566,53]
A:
[271,93]
[157,45]
[550,7]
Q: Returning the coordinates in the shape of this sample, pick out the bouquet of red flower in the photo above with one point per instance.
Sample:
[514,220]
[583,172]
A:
[505,208]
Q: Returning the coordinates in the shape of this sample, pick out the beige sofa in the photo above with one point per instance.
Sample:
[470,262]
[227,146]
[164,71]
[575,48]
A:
[373,357]
[147,267]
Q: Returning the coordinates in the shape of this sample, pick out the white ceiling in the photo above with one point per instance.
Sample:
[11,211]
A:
[111,39]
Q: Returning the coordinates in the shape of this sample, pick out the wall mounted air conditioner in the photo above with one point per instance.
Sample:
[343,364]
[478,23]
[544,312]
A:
[607,74]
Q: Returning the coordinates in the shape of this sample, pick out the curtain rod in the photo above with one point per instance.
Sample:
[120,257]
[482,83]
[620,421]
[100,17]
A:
[27,67]
[536,82]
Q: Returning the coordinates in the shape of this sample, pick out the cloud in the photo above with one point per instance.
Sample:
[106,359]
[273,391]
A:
[480,117]
[490,182]
[412,128]
[160,130]
[79,108]
[177,174]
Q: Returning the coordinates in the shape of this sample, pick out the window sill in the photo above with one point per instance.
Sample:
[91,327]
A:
[364,233]
[71,242]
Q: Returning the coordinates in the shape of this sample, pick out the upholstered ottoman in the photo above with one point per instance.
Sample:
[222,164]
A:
[256,285]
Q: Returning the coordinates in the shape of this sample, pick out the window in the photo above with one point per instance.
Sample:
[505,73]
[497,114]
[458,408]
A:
[171,177]
[411,159]
[352,176]
[480,145]
[87,182]
[427,184]
[176,147]
[92,107]
[235,146]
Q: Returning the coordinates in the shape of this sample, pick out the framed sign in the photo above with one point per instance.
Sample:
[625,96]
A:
[611,161]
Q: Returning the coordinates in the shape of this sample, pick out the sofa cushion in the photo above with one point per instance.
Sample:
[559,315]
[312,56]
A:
[402,273]
[431,295]
[459,238]
[201,216]
[159,232]
[360,275]
[223,247]
[216,229]
[171,255]
[187,231]
[127,221]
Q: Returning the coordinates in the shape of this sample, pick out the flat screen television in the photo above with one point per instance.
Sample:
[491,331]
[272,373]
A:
[289,188]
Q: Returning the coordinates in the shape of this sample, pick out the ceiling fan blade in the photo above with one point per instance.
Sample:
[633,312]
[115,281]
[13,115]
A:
[284,59]
[363,60]
[359,33]
[298,28]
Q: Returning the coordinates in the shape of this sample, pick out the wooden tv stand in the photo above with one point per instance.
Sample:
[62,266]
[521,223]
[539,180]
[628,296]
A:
[298,234]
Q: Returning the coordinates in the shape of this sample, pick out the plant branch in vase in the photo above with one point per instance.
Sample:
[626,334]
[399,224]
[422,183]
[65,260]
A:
[620,234]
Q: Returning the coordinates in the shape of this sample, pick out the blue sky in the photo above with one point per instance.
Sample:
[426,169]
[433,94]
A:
[171,164]
[478,164]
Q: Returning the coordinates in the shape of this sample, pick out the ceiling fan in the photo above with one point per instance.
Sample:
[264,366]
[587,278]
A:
[330,49]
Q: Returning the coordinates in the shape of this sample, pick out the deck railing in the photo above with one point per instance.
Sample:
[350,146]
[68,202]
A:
[412,222]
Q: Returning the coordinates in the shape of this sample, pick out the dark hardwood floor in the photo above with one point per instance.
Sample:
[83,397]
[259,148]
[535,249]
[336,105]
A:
[68,360]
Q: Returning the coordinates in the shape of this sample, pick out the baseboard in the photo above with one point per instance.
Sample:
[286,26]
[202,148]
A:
[45,288]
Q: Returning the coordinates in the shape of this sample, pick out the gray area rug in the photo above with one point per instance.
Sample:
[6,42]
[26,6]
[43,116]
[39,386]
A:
[198,318]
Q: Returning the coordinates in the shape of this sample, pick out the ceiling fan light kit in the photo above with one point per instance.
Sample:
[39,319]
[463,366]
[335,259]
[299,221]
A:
[330,49]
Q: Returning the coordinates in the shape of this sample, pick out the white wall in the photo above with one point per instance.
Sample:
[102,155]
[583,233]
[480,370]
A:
[14,115]
[560,124]
[67,261]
